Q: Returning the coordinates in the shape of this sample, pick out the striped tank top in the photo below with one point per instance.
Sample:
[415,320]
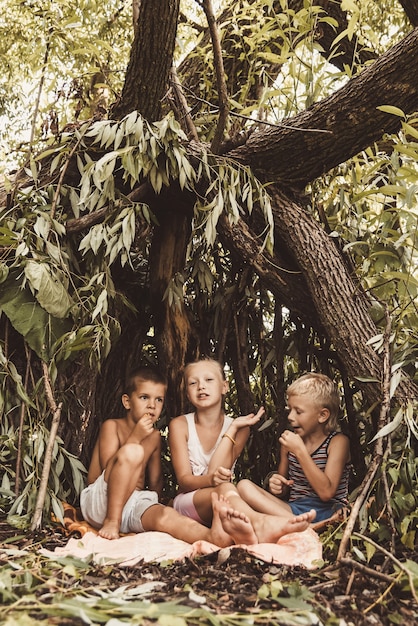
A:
[301,486]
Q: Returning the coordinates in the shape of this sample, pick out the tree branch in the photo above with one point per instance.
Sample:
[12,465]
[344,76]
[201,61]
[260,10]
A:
[220,77]
[295,158]
[43,485]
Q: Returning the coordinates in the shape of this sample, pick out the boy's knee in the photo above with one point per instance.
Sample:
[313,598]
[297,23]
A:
[131,454]
[164,517]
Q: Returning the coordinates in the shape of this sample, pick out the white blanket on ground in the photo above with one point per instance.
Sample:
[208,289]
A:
[302,548]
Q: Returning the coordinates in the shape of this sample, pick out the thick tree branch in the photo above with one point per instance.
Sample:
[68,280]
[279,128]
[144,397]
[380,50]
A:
[295,156]
[338,299]
[411,10]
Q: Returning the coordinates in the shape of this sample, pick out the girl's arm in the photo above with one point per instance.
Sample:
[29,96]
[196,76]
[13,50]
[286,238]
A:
[324,483]
[233,441]
[154,470]
[177,437]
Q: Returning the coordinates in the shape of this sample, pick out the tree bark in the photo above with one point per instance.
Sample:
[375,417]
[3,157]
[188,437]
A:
[411,10]
[147,74]
[172,328]
[336,295]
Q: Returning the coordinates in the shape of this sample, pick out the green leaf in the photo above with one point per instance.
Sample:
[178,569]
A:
[388,108]
[33,322]
[51,293]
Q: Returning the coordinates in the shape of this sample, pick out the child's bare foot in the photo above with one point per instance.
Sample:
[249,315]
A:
[229,526]
[217,534]
[336,518]
[238,526]
[110,529]
[270,528]
[233,522]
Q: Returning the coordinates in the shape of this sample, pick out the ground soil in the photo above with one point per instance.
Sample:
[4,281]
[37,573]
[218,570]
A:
[229,582]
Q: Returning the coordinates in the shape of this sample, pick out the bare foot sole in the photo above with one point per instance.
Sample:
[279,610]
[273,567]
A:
[109,530]
[238,526]
[218,535]
[230,526]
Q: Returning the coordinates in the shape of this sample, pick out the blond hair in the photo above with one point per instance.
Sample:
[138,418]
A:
[203,360]
[323,391]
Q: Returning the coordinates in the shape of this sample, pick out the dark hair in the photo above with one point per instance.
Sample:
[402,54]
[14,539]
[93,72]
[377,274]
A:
[143,373]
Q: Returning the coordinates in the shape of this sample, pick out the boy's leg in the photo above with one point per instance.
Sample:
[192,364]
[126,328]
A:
[122,474]
[165,519]
[261,500]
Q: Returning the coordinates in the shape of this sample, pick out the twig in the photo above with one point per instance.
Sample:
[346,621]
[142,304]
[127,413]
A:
[63,172]
[260,122]
[21,422]
[364,489]
[366,570]
[394,559]
[382,596]
[385,416]
[378,449]
[182,105]
[40,87]
[220,76]
[56,414]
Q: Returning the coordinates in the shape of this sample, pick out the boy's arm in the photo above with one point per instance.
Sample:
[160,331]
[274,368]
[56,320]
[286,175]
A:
[278,482]
[154,469]
[324,483]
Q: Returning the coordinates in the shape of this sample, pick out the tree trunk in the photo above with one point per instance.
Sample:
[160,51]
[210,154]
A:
[146,79]
[171,324]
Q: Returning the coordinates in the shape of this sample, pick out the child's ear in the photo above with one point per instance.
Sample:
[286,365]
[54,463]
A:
[225,387]
[126,402]
[324,415]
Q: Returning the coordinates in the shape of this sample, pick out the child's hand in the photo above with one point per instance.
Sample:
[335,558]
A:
[248,420]
[292,442]
[145,426]
[278,484]
[221,475]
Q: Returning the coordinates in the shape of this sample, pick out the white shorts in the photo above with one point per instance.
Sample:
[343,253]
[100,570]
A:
[93,504]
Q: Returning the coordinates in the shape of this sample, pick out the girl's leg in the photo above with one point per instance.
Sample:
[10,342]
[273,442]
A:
[202,501]
[165,519]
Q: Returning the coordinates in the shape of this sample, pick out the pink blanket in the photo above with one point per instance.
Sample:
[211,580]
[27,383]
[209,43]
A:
[302,548]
